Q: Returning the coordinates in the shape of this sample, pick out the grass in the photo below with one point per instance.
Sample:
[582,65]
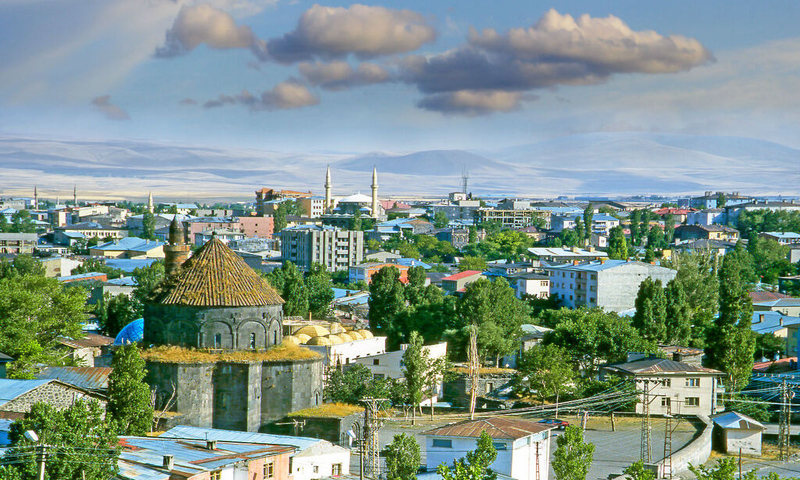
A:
[485,371]
[280,353]
[328,410]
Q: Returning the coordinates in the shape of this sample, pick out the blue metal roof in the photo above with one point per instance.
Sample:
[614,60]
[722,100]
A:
[80,276]
[128,265]
[185,431]
[134,244]
[412,262]
[771,322]
[594,266]
[5,427]
[123,281]
[11,389]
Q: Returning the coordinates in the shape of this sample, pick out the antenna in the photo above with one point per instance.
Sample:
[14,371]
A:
[465,180]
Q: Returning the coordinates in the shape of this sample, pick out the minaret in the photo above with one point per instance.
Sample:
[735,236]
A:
[35,198]
[75,195]
[375,212]
[176,251]
[328,188]
[150,207]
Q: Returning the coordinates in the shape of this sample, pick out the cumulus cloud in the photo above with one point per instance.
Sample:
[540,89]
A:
[557,50]
[112,112]
[366,31]
[283,96]
[338,75]
[472,102]
[204,24]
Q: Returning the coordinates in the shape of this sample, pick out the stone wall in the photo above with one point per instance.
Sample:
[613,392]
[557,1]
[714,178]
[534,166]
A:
[333,430]
[57,394]
[237,396]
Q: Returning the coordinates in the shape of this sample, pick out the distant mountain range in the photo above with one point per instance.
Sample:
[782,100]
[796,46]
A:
[596,163]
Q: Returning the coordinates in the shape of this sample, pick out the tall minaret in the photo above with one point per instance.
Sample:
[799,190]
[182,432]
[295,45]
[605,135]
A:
[150,207]
[328,187]
[176,251]
[375,212]
[35,198]
[75,195]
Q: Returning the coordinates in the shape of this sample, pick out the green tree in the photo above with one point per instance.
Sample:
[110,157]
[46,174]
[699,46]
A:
[357,382]
[402,458]
[440,219]
[147,278]
[294,292]
[679,321]
[634,227]
[21,222]
[637,471]
[544,371]
[770,259]
[473,234]
[573,456]
[768,345]
[114,312]
[415,288]
[651,311]
[23,264]
[92,265]
[148,226]
[472,263]
[356,224]
[617,245]
[588,220]
[697,276]
[320,290]
[669,228]
[128,394]
[34,312]
[725,469]
[497,312]
[279,218]
[476,464]
[80,443]
[722,200]
[415,363]
[387,299]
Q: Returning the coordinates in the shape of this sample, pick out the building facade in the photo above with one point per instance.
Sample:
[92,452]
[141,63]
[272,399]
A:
[336,249]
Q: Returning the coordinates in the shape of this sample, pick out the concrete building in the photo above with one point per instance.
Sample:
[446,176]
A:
[129,247]
[735,432]
[223,234]
[334,248]
[459,281]
[787,306]
[531,284]
[709,200]
[18,243]
[552,255]
[342,348]
[710,216]
[780,325]
[91,351]
[673,387]
[58,266]
[611,285]
[365,271]
[784,238]
[707,232]
[532,335]
[399,227]
[523,446]
[733,211]
[511,218]
[312,458]
[601,223]
[313,207]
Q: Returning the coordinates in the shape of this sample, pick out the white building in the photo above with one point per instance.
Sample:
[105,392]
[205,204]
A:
[611,284]
[564,255]
[314,458]
[672,387]
[390,365]
[711,216]
[529,283]
[523,446]
[735,432]
[334,248]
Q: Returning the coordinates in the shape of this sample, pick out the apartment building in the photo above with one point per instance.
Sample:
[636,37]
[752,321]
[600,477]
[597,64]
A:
[334,248]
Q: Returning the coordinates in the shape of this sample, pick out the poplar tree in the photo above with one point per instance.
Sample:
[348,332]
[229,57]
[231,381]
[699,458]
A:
[415,363]
[402,458]
[387,299]
[679,322]
[128,395]
[651,311]
[617,245]
[573,456]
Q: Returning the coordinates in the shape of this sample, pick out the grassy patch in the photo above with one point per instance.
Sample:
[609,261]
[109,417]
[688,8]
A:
[328,410]
[174,354]
[485,371]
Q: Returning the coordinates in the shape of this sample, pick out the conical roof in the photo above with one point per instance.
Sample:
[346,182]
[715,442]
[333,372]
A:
[216,277]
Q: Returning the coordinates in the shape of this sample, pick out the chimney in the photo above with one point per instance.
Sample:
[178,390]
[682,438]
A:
[760,318]
[169,462]
[576,262]
[575,249]
[591,248]
[677,356]
[603,260]
[211,444]
[780,322]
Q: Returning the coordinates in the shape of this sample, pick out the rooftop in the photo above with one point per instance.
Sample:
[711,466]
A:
[328,410]
[280,353]
[133,244]
[216,276]
[89,378]
[739,421]
[647,366]
[565,252]
[185,431]
[505,427]
[464,274]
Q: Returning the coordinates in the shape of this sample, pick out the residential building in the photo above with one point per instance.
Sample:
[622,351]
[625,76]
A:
[313,207]
[161,458]
[334,248]
[709,200]
[532,335]
[523,446]
[129,247]
[709,216]
[551,255]
[679,215]
[511,218]
[784,238]
[786,306]
[674,388]
[508,268]
[459,281]
[93,350]
[460,210]
[58,266]
[780,325]
[532,284]
[718,247]
[533,232]
[733,211]
[458,237]
[365,271]
[611,285]
[92,379]
[67,235]
[312,457]
[18,396]
[223,234]
[601,223]
[399,227]
[737,433]
[18,243]
[707,232]
[266,195]
[261,227]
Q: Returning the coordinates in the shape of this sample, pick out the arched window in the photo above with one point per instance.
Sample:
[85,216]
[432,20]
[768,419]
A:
[252,341]
[217,340]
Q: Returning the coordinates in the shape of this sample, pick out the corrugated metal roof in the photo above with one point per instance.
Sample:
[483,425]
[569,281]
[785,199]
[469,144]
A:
[464,274]
[659,365]
[185,431]
[11,389]
[738,420]
[91,340]
[90,378]
[497,427]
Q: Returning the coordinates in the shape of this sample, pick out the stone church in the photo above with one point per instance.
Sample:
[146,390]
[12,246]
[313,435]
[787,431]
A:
[215,302]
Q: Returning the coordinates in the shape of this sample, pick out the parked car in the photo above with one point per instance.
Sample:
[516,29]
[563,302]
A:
[555,422]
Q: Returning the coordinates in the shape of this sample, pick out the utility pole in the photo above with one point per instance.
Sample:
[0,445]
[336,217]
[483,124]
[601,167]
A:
[474,370]
[668,441]
[372,424]
[647,451]
[784,428]
[42,458]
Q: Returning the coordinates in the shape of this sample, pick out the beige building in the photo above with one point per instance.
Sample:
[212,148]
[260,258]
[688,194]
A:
[18,243]
[334,248]
[671,387]
[459,281]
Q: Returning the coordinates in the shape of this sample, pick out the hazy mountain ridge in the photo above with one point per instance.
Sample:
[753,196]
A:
[596,163]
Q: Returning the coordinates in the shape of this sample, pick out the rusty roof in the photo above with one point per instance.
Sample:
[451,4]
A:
[90,378]
[497,427]
[216,277]
[90,340]
[647,366]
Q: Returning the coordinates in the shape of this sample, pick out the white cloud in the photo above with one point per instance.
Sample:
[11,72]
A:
[472,102]
[283,96]
[338,75]
[112,112]
[204,24]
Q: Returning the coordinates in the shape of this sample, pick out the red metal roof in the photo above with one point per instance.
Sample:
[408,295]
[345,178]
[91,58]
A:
[464,274]
[766,296]
[497,427]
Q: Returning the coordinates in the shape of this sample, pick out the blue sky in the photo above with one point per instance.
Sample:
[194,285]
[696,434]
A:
[269,74]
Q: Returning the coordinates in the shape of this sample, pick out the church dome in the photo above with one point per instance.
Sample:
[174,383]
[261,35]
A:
[216,277]
[335,339]
[319,341]
[355,335]
[130,333]
[357,198]
[302,337]
[313,331]
[291,339]
[366,334]
[336,328]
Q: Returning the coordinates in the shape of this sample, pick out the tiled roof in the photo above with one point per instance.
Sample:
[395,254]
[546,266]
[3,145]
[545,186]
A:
[659,365]
[216,277]
[757,297]
[497,427]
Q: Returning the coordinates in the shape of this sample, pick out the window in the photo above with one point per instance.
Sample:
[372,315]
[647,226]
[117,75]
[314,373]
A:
[252,341]
[692,401]
[269,469]
[379,376]
[442,443]
[665,401]
[316,468]
[217,340]
[215,475]
[336,469]
[500,445]
[667,382]
[692,382]
[376,361]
